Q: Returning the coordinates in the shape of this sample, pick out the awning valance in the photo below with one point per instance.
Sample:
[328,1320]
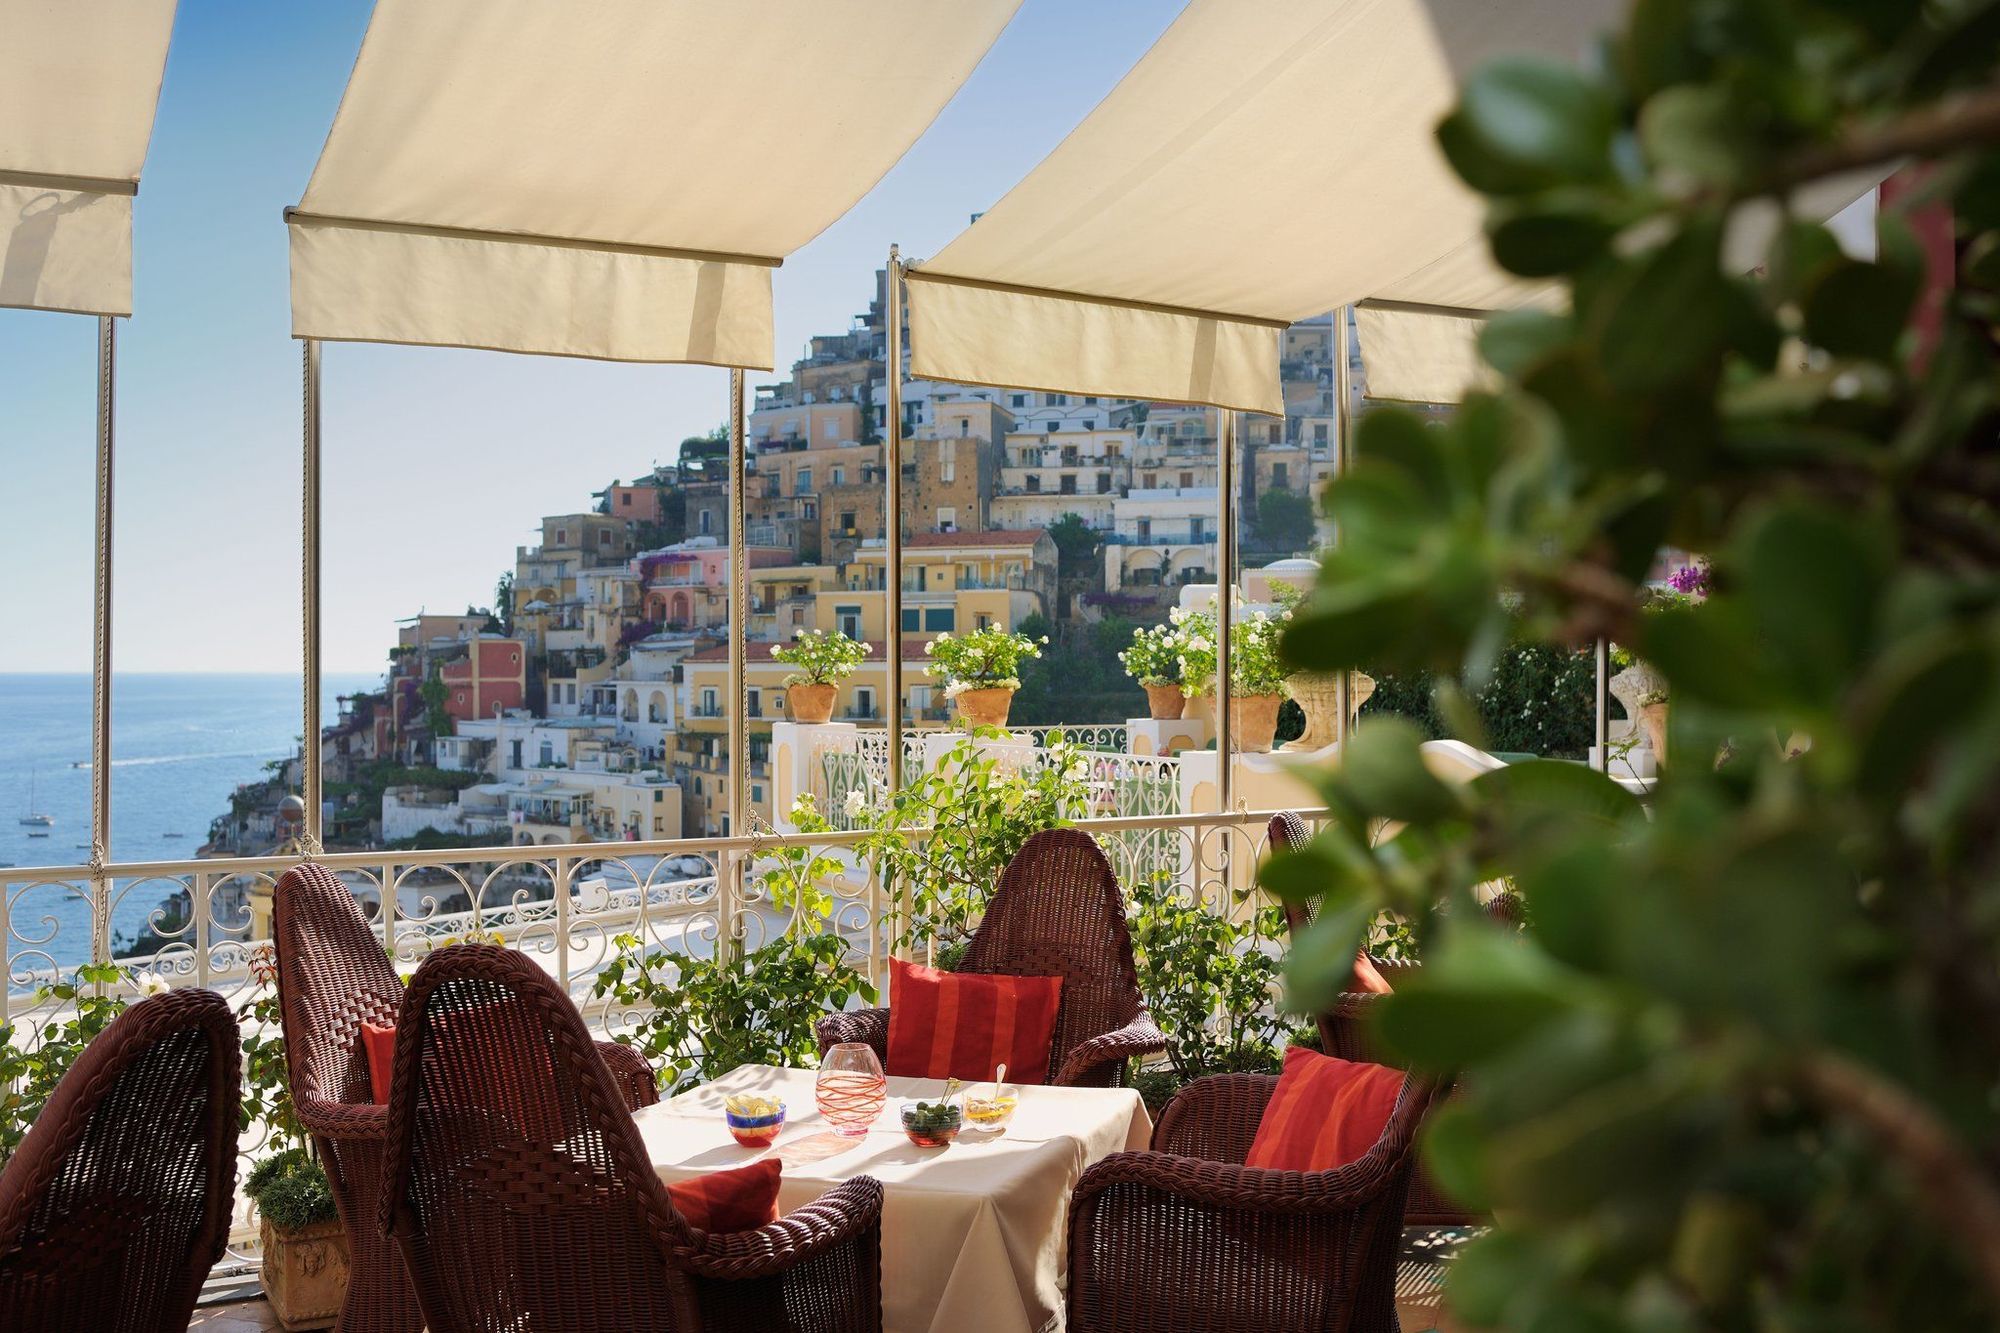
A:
[1263,163]
[79,83]
[613,180]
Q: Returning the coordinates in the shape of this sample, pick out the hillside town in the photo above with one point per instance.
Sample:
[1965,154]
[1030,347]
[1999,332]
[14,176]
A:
[590,702]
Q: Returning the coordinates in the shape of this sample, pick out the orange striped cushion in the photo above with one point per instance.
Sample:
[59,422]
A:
[962,1024]
[1367,980]
[740,1199]
[1326,1113]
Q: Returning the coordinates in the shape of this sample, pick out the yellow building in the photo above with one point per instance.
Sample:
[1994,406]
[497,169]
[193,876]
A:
[952,582]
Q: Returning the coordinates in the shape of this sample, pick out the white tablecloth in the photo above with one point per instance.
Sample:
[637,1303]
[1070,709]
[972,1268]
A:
[974,1234]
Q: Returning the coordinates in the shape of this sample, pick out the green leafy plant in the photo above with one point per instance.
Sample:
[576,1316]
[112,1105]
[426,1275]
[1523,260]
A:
[981,659]
[1739,1074]
[1211,983]
[267,1087]
[35,1056]
[976,807]
[821,657]
[291,1190]
[698,1018]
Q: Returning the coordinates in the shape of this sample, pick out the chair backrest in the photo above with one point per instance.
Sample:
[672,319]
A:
[333,976]
[117,1204]
[1058,911]
[514,1180]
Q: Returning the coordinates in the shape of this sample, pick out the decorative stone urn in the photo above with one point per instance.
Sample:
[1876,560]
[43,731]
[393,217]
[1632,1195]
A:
[1643,691]
[1164,702]
[1317,693]
[1253,722]
[305,1274]
[987,707]
[811,704]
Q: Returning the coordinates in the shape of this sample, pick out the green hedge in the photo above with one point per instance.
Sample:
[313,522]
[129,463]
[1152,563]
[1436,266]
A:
[1538,702]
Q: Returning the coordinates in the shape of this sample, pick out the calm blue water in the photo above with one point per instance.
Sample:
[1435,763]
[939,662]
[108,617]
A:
[180,745]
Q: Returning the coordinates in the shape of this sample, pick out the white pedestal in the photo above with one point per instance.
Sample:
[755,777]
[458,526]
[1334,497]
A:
[1150,736]
[795,750]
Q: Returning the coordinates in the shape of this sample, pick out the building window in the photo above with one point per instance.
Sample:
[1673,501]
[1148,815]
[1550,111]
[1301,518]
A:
[1052,426]
[1104,483]
[947,461]
[910,623]
[947,518]
[938,618]
[709,704]
[756,703]
[1090,402]
[562,536]
[1278,475]
[809,509]
[604,536]
[964,427]
[1017,400]
[864,701]
[1034,484]
[802,484]
[847,520]
[840,476]
[985,622]
[707,517]
[1068,483]
[847,619]
[548,753]
[1187,479]
[1319,432]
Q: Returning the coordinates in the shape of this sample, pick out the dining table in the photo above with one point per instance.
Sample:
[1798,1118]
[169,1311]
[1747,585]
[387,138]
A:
[974,1234]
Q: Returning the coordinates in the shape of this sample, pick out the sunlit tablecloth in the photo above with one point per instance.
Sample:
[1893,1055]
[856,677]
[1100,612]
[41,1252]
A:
[973,1235]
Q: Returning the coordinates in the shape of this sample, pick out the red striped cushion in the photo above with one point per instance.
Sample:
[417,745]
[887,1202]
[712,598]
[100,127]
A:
[740,1199]
[1367,980]
[1326,1113]
[379,1043]
[962,1024]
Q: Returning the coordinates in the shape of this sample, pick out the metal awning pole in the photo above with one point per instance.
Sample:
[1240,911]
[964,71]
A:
[309,605]
[1343,412]
[892,522]
[100,658]
[739,617]
[1225,576]
[1601,730]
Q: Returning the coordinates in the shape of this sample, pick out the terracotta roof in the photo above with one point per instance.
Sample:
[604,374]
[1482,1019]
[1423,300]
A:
[995,537]
[759,652]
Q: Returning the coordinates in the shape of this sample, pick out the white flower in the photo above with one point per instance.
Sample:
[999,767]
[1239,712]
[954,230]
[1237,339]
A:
[855,804]
[148,982]
[1200,645]
[798,634]
[867,647]
[956,688]
[1178,615]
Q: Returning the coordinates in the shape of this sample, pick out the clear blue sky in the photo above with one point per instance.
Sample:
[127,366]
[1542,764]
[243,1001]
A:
[437,463]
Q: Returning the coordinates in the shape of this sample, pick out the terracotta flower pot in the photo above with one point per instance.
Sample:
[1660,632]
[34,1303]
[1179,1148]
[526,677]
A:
[1164,702]
[1654,718]
[985,708]
[305,1274]
[810,704]
[1199,707]
[1253,722]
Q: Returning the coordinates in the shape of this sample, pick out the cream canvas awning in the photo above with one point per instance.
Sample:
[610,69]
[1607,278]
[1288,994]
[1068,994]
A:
[1263,163]
[79,82]
[614,179]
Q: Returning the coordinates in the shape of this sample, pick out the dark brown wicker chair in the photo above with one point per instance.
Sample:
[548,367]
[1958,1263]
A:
[519,1192]
[1058,911]
[333,976]
[1186,1237]
[1343,1029]
[117,1204]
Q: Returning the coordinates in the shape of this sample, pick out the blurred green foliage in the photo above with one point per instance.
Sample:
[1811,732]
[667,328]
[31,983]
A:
[1743,1073]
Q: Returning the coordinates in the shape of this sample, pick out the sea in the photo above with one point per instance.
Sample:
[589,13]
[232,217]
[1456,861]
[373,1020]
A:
[179,745]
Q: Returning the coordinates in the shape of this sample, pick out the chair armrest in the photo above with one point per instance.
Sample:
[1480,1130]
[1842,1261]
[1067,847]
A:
[842,1214]
[1139,1037]
[1228,1186]
[864,1025]
[634,1074]
[342,1120]
[1215,1119]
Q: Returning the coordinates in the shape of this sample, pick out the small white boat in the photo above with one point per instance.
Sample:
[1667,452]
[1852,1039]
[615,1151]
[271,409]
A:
[35,818]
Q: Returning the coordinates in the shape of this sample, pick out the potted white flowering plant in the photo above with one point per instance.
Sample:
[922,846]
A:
[981,670]
[1256,680]
[822,660]
[1195,647]
[1154,660]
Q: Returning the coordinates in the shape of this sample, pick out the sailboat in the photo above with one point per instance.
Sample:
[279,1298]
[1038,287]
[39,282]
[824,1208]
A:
[36,818]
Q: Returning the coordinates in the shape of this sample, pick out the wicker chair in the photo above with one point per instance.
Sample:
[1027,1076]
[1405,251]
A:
[519,1192]
[333,976]
[1343,1029]
[1058,911]
[117,1204]
[1188,1238]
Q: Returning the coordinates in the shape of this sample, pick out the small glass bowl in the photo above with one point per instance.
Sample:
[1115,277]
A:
[934,1125]
[990,1105]
[751,1121]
